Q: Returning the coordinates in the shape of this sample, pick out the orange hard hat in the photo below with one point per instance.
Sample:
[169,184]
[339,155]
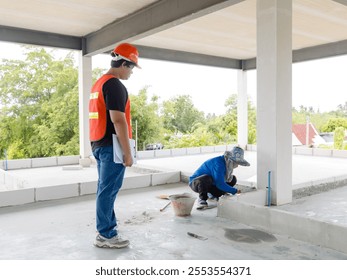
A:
[127,52]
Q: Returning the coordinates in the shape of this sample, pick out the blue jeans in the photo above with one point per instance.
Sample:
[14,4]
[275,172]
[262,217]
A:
[109,182]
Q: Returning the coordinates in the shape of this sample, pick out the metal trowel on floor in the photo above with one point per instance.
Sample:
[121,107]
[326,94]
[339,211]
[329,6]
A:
[196,236]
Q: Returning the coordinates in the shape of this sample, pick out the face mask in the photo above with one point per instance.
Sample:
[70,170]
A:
[229,163]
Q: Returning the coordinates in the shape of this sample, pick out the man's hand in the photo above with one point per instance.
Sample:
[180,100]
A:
[128,160]
[238,192]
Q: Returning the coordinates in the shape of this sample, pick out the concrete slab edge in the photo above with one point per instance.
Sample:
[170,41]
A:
[319,186]
[281,222]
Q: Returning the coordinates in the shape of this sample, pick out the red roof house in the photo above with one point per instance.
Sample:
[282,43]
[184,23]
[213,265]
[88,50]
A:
[299,131]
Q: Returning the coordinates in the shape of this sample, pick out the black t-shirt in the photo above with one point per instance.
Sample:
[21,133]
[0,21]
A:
[116,97]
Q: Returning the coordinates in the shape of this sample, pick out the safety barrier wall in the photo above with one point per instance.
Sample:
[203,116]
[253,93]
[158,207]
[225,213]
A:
[310,151]
[69,160]
[38,162]
[183,151]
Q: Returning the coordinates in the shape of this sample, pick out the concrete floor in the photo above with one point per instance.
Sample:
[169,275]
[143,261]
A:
[65,229]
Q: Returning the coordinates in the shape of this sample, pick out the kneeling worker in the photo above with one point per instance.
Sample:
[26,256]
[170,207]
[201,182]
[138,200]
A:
[215,178]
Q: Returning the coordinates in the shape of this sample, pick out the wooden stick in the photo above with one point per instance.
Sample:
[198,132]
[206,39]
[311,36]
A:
[162,209]
[163,196]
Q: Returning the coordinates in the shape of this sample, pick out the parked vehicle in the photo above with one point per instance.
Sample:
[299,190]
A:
[154,146]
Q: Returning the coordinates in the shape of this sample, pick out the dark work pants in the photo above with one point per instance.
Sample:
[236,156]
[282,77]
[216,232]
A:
[204,184]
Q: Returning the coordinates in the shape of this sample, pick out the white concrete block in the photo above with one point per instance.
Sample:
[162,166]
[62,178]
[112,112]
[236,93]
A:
[178,152]
[17,197]
[220,148]
[322,152]
[165,178]
[193,150]
[255,198]
[247,213]
[88,187]
[303,151]
[2,164]
[145,154]
[207,149]
[41,162]
[19,163]
[85,162]
[56,192]
[67,160]
[258,197]
[162,153]
[137,182]
[340,153]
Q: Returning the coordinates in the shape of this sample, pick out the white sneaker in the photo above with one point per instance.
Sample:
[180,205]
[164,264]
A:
[115,242]
[202,202]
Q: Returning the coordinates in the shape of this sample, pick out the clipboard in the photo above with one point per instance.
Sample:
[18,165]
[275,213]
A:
[118,152]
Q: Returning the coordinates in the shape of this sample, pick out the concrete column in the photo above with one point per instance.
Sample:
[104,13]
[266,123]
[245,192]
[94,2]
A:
[84,87]
[242,109]
[274,99]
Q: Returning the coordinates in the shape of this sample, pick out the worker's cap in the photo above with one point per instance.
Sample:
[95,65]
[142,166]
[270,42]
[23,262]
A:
[236,155]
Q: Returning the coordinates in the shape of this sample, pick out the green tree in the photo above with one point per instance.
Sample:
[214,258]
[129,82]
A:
[334,123]
[230,119]
[39,105]
[180,115]
[214,125]
[339,135]
[200,137]
[145,113]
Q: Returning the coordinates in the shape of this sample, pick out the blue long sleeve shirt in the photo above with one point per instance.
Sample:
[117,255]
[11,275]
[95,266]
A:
[216,168]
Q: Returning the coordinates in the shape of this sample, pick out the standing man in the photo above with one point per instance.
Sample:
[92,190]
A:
[109,113]
[215,178]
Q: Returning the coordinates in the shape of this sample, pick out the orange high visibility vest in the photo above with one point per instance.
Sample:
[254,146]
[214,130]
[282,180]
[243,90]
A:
[97,111]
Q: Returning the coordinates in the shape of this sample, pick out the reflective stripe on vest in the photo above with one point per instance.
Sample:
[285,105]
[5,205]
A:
[93,115]
[97,111]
